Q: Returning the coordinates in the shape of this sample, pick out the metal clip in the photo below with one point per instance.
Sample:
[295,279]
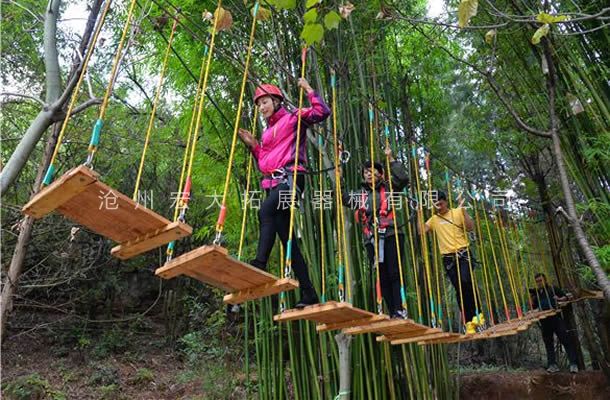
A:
[279,173]
[344,156]
[217,239]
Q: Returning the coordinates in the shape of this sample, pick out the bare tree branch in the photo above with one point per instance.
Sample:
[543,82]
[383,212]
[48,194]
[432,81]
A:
[25,96]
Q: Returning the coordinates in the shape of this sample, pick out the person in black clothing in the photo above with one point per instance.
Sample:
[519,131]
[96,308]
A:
[362,201]
[545,297]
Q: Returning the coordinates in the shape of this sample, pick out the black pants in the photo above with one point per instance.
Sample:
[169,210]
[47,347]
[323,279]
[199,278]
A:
[464,280]
[556,325]
[274,218]
[389,273]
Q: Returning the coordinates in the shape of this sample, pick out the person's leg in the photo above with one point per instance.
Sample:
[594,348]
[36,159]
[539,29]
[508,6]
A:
[282,226]
[547,328]
[565,340]
[392,272]
[467,289]
[267,230]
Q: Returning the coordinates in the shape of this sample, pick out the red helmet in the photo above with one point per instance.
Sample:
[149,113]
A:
[267,89]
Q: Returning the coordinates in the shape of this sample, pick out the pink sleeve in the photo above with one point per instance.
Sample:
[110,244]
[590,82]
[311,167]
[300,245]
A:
[318,111]
[256,151]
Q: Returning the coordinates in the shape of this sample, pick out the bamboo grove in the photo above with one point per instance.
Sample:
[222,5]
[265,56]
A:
[395,81]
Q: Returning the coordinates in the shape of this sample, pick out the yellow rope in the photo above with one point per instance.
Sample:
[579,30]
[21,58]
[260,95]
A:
[242,234]
[486,280]
[420,213]
[244,80]
[189,140]
[339,197]
[508,261]
[151,120]
[79,82]
[293,193]
[493,254]
[322,238]
[414,259]
[398,250]
[374,212]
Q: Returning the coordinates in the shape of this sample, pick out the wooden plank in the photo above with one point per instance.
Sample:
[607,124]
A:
[392,327]
[257,292]
[57,193]
[152,240]
[417,338]
[351,323]
[214,266]
[326,313]
[112,214]
[410,334]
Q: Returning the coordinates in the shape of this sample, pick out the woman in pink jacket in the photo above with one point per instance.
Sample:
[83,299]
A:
[275,155]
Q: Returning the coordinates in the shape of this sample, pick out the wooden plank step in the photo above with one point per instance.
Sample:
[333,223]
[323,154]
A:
[257,292]
[411,334]
[389,328]
[57,193]
[351,323]
[152,240]
[324,313]
[418,338]
[81,197]
[213,265]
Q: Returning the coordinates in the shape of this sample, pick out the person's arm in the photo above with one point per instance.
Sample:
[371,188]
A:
[318,111]
[249,141]
[559,294]
[468,222]
[421,227]
[398,172]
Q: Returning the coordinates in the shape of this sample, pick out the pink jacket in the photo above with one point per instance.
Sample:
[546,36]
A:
[277,146]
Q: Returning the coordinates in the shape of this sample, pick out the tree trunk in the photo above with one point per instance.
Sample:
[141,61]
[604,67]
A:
[344,343]
[25,234]
[575,224]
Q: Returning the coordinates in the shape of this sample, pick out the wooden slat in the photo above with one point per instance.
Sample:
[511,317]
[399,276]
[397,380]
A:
[409,334]
[152,240]
[390,327]
[257,292]
[417,338]
[57,193]
[351,323]
[213,265]
[326,313]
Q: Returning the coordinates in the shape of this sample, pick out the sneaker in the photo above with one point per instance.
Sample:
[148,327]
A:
[552,368]
[400,314]
[471,328]
[573,368]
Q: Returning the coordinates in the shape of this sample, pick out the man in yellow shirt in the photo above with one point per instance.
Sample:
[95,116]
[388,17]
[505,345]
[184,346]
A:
[450,226]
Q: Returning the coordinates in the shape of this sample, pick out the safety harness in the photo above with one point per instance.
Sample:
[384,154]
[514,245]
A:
[385,219]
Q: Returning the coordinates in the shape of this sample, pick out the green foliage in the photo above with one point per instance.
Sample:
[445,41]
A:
[31,387]
[466,10]
[143,376]
[332,20]
[540,33]
[104,374]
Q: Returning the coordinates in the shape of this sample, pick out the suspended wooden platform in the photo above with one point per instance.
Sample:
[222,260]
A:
[327,314]
[213,265]
[350,320]
[81,197]
[393,328]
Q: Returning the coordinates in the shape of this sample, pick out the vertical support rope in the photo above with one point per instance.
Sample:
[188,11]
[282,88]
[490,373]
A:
[486,280]
[97,128]
[244,80]
[153,112]
[48,178]
[322,238]
[378,296]
[242,233]
[403,295]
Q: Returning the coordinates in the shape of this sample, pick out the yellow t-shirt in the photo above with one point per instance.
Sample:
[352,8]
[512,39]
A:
[449,230]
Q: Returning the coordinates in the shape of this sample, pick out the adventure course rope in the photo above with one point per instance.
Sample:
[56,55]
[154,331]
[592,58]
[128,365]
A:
[379,297]
[48,178]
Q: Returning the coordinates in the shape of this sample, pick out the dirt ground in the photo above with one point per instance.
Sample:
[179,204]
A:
[535,385]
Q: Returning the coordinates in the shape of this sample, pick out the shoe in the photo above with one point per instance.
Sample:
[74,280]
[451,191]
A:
[471,328]
[552,368]
[308,298]
[479,320]
[573,368]
[400,314]
[257,264]
[235,308]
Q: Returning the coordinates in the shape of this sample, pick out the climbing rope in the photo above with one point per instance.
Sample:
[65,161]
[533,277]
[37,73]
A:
[48,178]
[378,298]
[151,120]
[242,233]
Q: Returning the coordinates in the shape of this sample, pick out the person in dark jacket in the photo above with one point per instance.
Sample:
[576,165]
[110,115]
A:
[362,201]
[545,297]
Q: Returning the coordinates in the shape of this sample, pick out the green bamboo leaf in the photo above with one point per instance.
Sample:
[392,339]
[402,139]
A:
[490,35]
[466,10]
[285,4]
[310,16]
[331,20]
[551,19]
[540,33]
[312,33]
[311,3]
